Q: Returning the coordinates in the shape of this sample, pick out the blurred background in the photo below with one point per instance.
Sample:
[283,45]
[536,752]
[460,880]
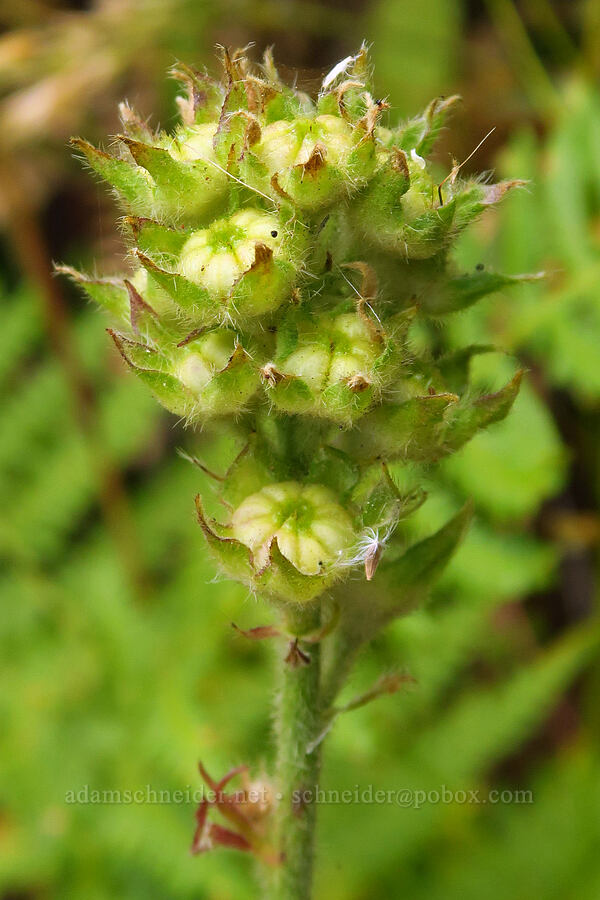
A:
[118,665]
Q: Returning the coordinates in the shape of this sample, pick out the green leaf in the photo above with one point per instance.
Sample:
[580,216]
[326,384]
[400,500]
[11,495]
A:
[110,293]
[409,430]
[468,417]
[408,580]
[453,294]
[397,588]
[155,239]
[191,298]
[173,178]
[133,185]
[422,132]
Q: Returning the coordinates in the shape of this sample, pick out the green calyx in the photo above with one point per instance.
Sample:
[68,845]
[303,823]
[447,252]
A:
[313,161]
[332,365]
[290,265]
[211,375]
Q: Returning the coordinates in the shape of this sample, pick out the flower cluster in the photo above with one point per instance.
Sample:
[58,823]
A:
[283,249]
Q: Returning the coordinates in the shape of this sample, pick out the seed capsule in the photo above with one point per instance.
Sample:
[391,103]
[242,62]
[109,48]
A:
[217,257]
[312,530]
[333,367]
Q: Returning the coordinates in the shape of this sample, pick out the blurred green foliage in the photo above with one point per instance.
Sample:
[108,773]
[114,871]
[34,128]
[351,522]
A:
[115,687]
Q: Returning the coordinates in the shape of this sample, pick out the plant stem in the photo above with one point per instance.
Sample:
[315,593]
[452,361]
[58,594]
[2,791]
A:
[298,722]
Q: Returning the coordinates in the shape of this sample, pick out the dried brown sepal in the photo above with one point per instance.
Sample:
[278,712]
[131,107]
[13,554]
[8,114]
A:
[296,656]
[271,375]
[372,560]
[369,284]
[316,161]
[369,120]
[399,162]
[279,190]
[390,683]
[258,633]
[263,255]
[358,384]
[342,91]
[196,333]
[137,306]
[246,810]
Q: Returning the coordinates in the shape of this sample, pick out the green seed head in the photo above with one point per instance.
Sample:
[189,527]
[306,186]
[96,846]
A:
[284,250]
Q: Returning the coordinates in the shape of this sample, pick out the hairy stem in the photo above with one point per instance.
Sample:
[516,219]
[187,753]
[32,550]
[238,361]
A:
[298,722]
